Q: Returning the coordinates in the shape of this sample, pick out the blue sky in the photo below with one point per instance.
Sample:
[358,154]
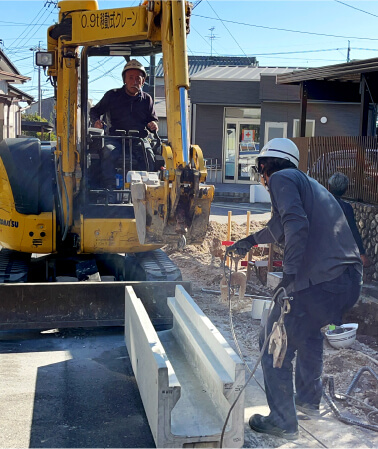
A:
[279,33]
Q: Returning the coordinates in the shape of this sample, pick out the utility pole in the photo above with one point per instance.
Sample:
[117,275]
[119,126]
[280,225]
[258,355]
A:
[151,80]
[348,54]
[33,49]
[39,86]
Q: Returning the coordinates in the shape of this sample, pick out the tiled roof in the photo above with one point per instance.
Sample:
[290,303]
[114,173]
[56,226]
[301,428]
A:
[198,63]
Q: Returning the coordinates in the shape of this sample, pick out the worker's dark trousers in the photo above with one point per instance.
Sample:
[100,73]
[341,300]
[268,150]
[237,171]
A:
[143,159]
[311,309]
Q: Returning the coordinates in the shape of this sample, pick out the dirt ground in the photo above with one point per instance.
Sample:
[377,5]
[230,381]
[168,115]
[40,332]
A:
[203,266]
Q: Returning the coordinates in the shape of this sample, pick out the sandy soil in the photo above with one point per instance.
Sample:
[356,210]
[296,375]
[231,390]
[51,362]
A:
[203,266]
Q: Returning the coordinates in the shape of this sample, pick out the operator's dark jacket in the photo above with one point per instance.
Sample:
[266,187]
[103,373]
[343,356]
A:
[124,112]
[308,220]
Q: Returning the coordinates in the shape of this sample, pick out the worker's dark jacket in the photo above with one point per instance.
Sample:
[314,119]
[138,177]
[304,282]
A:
[349,215]
[124,112]
[308,221]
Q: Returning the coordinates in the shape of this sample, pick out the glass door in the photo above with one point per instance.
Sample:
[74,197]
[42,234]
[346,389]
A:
[241,146]
[230,151]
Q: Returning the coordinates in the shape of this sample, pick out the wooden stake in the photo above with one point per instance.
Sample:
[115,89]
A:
[228,234]
[247,231]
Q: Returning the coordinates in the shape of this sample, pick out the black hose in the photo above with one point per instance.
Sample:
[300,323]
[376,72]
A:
[328,380]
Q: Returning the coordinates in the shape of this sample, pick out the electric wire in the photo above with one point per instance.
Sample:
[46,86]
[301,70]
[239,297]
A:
[287,30]
[229,32]
[46,19]
[358,9]
[30,24]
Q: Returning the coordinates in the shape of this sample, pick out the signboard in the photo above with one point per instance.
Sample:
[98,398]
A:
[248,135]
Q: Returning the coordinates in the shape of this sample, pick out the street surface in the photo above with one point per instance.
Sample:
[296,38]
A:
[259,212]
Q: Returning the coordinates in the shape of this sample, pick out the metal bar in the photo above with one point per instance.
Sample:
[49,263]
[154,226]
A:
[217,292]
[184,124]
[364,110]
[303,110]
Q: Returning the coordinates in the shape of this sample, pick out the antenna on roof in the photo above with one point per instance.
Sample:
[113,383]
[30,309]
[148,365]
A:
[212,37]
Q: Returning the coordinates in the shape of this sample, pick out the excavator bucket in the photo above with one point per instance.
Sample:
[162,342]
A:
[81,304]
[156,224]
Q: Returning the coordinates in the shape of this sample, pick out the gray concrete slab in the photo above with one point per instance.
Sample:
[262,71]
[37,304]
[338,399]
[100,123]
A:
[69,390]
[76,389]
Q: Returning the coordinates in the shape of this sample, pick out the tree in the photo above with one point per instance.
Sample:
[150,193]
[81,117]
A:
[36,118]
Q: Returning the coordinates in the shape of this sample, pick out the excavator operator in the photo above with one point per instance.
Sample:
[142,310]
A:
[124,110]
[322,272]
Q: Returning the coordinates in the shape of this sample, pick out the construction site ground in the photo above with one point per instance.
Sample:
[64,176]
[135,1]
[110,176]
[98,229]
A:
[75,388]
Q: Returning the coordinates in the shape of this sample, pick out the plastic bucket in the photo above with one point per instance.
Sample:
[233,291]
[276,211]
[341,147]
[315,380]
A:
[258,307]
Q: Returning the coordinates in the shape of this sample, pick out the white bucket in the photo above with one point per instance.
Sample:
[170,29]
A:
[258,307]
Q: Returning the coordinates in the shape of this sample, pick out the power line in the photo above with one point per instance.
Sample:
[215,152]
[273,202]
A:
[300,51]
[284,29]
[237,43]
[46,19]
[110,70]
[35,18]
[16,24]
[358,9]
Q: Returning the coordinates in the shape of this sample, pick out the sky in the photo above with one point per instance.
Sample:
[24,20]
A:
[298,33]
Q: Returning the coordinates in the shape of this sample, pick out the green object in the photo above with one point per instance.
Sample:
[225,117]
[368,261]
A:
[331,327]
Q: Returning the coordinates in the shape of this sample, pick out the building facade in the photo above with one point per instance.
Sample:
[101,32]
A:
[10,97]
[236,110]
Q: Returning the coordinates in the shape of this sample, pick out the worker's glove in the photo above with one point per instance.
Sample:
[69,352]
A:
[241,247]
[287,279]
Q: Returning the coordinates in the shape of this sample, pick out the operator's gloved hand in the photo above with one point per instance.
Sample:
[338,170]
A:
[242,246]
[286,280]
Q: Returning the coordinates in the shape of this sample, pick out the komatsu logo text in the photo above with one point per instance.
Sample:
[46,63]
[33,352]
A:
[10,223]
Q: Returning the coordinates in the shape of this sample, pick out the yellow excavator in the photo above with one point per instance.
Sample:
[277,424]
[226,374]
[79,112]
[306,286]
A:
[56,222]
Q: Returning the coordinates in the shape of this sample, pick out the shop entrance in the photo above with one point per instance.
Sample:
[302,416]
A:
[241,145]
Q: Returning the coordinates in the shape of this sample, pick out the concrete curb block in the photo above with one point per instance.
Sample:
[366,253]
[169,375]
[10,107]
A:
[188,376]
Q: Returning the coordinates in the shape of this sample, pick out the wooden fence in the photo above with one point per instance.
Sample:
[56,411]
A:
[355,156]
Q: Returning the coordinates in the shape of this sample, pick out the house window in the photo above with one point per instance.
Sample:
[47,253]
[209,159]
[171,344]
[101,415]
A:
[310,128]
[275,129]
[254,113]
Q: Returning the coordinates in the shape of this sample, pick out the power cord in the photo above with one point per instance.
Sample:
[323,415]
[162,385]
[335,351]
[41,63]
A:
[266,340]
[252,372]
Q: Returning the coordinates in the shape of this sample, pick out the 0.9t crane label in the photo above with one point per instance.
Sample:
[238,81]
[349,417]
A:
[108,26]
[109,19]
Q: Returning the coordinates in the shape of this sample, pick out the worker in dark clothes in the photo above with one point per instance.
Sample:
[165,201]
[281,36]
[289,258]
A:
[322,272]
[338,184]
[126,109]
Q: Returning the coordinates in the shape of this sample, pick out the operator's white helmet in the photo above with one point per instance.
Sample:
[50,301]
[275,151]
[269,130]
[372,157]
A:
[134,64]
[281,148]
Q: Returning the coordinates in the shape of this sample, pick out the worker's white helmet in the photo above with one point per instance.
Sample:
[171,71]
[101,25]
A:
[280,148]
[133,64]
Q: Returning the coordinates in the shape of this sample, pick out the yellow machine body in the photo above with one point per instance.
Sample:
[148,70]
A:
[46,196]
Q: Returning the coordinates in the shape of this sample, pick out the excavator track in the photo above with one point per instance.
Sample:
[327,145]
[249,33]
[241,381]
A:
[14,266]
